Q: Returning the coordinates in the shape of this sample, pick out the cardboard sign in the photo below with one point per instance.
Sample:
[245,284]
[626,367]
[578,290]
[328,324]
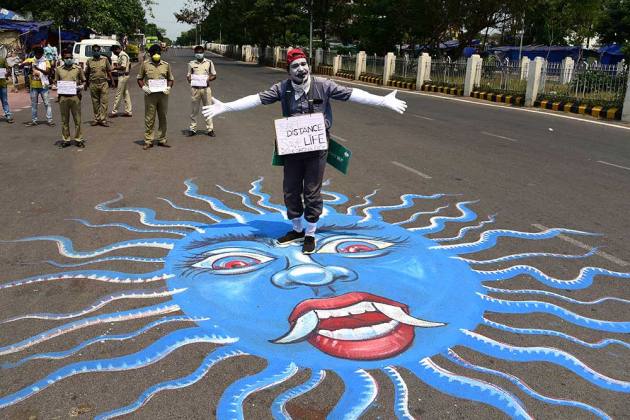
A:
[3,73]
[338,157]
[66,87]
[198,80]
[299,134]
[157,85]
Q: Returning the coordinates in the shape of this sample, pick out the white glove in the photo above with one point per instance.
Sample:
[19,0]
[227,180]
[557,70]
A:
[389,101]
[167,90]
[218,107]
[146,90]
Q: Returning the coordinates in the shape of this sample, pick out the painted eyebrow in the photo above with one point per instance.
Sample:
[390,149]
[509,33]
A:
[352,227]
[229,238]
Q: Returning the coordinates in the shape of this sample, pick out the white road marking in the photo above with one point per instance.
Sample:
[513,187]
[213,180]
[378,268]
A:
[415,171]
[612,164]
[582,245]
[498,136]
[339,138]
[423,117]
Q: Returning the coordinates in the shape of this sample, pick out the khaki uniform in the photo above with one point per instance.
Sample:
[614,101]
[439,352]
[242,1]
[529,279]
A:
[200,95]
[99,89]
[155,102]
[70,104]
[123,88]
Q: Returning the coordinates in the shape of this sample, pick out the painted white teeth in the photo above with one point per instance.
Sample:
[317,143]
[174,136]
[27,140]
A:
[398,314]
[362,333]
[304,325]
[356,309]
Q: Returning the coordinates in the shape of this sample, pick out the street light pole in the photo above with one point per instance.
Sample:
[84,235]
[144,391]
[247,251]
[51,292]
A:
[310,46]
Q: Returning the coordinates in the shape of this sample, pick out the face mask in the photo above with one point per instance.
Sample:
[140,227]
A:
[299,70]
[199,56]
[96,55]
[156,57]
[68,62]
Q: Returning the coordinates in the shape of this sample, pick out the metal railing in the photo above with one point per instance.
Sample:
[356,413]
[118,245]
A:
[447,73]
[327,59]
[502,77]
[348,63]
[590,84]
[405,69]
[374,65]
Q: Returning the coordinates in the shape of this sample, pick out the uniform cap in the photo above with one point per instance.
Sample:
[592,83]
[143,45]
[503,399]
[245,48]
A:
[294,54]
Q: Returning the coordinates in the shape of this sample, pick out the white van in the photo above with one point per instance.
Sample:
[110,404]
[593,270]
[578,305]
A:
[83,50]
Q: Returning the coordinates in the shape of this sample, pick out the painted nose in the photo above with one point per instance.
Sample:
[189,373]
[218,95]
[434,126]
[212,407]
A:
[312,275]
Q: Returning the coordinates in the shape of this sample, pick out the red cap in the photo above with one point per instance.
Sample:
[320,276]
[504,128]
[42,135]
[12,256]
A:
[294,54]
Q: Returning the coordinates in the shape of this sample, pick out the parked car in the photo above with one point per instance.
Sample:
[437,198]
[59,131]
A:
[83,50]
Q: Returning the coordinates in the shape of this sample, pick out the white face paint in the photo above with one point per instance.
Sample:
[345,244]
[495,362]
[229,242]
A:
[299,70]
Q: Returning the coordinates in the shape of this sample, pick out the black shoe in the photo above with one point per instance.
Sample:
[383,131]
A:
[211,133]
[147,146]
[291,236]
[308,247]
[81,145]
[63,144]
[164,145]
[191,133]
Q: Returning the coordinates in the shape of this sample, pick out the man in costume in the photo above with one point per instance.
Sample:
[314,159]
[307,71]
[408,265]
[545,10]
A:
[304,172]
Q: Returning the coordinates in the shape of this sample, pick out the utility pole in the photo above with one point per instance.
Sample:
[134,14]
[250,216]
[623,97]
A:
[310,46]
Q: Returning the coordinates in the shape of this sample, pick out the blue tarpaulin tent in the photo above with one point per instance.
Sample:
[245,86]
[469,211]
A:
[30,32]
[611,54]
[550,53]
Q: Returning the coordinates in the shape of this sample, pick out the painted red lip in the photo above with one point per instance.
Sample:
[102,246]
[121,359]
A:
[391,344]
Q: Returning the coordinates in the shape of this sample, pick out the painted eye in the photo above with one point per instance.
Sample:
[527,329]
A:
[234,262]
[353,246]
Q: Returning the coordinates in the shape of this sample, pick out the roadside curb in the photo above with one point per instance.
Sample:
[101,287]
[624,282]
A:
[442,89]
[371,79]
[402,84]
[608,113]
[497,97]
[345,75]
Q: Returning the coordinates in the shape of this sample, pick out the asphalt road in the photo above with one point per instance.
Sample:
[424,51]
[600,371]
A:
[532,169]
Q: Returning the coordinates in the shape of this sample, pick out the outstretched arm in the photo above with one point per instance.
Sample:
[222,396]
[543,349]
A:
[388,101]
[218,107]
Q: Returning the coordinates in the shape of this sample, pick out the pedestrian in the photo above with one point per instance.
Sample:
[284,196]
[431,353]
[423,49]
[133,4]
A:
[70,103]
[304,172]
[98,73]
[156,80]
[200,73]
[5,70]
[122,92]
[40,71]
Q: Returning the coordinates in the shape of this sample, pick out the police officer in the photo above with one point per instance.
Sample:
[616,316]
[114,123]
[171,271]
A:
[98,72]
[200,66]
[122,93]
[70,104]
[154,68]
[304,172]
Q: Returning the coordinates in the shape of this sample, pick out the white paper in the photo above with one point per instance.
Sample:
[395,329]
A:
[304,133]
[3,73]
[157,85]
[198,80]
[66,87]
[42,65]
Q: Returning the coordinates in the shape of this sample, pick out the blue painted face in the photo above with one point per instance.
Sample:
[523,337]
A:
[372,295]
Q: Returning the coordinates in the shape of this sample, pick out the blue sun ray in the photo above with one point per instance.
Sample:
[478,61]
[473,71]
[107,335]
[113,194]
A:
[147,356]
[264,198]
[361,391]
[500,350]
[536,331]
[528,307]
[338,198]
[245,200]
[407,201]
[583,280]
[129,227]
[471,389]
[100,303]
[437,223]
[106,259]
[367,200]
[555,295]
[208,362]
[489,238]
[463,231]
[458,360]
[92,275]
[66,247]
[231,402]
[416,215]
[147,216]
[401,393]
[160,309]
[215,204]
[526,255]
[204,213]
[278,407]
[100,339]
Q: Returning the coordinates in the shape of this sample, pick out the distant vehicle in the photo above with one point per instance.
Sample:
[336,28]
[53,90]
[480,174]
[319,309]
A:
[83,50]
[135,44]
[151,40]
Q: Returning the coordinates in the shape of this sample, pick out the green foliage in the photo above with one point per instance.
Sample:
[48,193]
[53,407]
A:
[614,24]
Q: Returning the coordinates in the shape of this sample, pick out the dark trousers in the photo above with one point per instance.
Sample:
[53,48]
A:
[303,175]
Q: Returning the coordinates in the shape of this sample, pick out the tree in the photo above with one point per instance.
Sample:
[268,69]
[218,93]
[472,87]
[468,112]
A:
[614,24]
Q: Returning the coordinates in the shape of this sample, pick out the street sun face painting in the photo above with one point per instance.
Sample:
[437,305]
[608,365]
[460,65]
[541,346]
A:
[373,296]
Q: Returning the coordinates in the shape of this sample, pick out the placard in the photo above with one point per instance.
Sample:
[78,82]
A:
[3,73]
[299,134]
[157,85]
[66,87]
[198,80]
